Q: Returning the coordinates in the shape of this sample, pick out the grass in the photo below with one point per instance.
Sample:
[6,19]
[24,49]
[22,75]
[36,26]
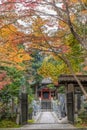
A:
[83,125]
[31,121]
[8,124]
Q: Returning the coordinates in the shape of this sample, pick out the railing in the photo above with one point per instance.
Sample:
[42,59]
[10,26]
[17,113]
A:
[36,105]
[58,108]
[48,105]
[55,108]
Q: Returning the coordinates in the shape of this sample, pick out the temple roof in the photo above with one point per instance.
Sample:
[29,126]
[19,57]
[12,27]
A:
[47,81]
[46,88]
[70,78]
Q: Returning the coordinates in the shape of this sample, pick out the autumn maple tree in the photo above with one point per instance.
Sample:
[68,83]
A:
[12,63]
[48,29]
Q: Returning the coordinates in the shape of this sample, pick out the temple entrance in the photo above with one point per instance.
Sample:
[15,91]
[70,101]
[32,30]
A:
[52,110]
[50,104]
[68,104]
[59,105]
[46,95]
[46,105]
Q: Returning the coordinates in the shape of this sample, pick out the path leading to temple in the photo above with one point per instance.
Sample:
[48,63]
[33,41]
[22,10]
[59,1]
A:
[48,120]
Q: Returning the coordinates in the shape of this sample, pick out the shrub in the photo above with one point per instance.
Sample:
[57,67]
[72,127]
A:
[31,121]
[83,115]
[8,124]
[79,120]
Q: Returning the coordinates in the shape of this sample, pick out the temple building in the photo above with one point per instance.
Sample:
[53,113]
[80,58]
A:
[46,94]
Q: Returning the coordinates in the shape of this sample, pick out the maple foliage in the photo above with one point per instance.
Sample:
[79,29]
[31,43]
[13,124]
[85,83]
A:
[75,18]
[10,34]
[40,40]
[15,4]
[67,17]
[10,51]
[33,6]
[4,80]
[52,66]
[49,69]
[14,10]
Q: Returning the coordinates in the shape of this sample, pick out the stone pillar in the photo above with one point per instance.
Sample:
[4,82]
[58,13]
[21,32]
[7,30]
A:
[76,110]
[71,103]
[49,94]
[41,95]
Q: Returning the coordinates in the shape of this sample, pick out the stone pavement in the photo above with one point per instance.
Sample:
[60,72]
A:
[46,118]
[49,120]
[48,127]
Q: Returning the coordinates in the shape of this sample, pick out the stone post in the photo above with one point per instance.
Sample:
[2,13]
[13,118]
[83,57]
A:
[71,103]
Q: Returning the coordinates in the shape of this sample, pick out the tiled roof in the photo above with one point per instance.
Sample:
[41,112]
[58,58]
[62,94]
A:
[70,78]
[46,81]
